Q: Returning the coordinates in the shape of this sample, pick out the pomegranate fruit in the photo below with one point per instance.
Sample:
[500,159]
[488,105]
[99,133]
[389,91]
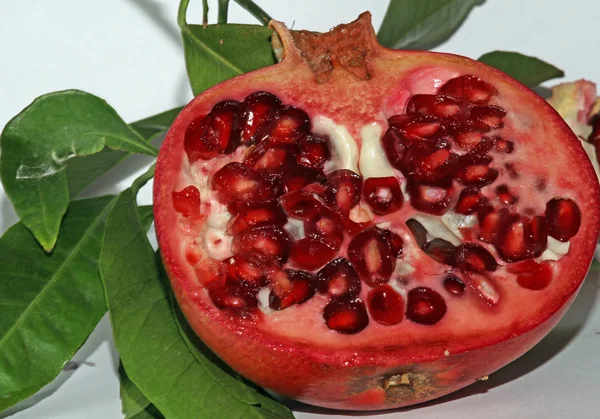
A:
[363,228]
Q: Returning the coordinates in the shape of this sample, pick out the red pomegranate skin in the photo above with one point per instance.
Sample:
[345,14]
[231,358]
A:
[395,369]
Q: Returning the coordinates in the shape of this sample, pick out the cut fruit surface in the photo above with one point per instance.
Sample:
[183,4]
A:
[356,213]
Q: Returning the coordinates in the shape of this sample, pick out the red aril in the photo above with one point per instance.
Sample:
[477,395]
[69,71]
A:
[363,213]
[187,202]
[385,305]
[383,195]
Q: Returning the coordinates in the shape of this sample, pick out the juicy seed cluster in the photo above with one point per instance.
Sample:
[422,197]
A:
[445,146]
[294,233]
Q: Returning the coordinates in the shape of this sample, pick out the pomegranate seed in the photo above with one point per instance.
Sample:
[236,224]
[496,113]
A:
[516,239]
[298,290]
[311,254]
[484,286]
[504,146]
[313,152]
[471,200]
[469,139]
[432,199]
[268,213]
[233,296]
[457,126]
[418,232]
[383,194]
[301,205]
[441,250]
[435,167]
[471,88]
[327,227]
[531,274]
[246,271]
[425,306]
[395,242]
[289,125]
[385,305]
[343,189]
[237,183]
[454,285]
[338,278]
[489,224]
[417,127]
[476,171]
[267,243]
[395,147]
[258,110]
[267,157]
[402,152]
[504,195]
[562,218]
[371,255]
[481,148]
[436,105]
[489,115]
[346,316]
[213,134]
[187,202]
[475,258]
[539,235]
[298,178]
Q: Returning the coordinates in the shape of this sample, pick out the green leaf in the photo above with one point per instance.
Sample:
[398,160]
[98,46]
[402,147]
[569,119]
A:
[37,143]
[82,171]
[595,267]
[152,349]
[146,216]
[216,53]
[410,24]
[134,404]
[218,371]
[530,71]
[50,303]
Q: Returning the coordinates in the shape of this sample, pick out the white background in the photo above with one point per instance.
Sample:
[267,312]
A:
[129,52]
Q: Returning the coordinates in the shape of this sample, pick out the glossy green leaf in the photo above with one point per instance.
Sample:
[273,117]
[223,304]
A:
[37,143]
[82,171]
[530,71]
[218,371]
[49,303]
[595,267]
[410,24]
[216,53]
[147,336]
[146,216]
[134,404]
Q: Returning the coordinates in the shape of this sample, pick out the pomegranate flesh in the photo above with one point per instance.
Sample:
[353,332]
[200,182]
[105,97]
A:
[362,228]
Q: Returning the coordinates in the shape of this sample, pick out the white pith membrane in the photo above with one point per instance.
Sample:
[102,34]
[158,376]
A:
[365,155]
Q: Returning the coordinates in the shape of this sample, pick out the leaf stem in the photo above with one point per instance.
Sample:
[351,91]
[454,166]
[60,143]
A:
[223,10]
[181,12]
[143,179]
[255,11]
[204,12]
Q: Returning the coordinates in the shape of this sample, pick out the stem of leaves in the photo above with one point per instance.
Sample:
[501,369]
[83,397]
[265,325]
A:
[205,12]
[182,11]
[223,9]
[255,11]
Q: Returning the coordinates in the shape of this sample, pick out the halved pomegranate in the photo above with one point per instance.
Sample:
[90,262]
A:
[375,214]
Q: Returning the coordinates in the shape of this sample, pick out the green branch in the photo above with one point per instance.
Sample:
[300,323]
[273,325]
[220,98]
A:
[255,11]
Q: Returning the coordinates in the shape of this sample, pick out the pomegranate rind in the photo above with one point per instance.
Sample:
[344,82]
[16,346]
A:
[396,369]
